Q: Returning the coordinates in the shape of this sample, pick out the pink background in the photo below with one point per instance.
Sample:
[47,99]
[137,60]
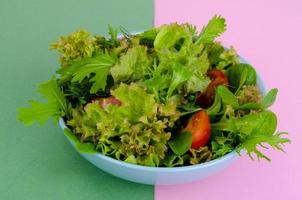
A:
[268,34]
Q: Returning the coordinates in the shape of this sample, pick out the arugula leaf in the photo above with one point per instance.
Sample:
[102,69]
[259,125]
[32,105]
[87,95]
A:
[98,66]
[56,105]
[215,27]
[181,142]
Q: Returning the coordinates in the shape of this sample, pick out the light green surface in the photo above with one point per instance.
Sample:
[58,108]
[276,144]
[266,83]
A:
[38,162]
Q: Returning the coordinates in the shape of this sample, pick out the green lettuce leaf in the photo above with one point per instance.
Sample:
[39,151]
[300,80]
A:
[181,142]
[253,130]
[235,73]
[133,131]
[215,27]
[56,105]
[169,36]
[133,65]
[75,46]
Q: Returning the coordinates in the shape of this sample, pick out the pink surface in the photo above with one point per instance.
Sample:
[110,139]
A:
[268,34]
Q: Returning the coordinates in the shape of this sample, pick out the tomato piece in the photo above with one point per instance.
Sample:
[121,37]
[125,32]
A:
[206,99]
[200,127]
[104,101]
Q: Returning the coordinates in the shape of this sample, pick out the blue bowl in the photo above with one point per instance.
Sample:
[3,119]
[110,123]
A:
[160,175]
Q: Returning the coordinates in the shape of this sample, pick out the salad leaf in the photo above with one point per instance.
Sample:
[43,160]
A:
[253,130]
[227,97]
[181,142]
[180,75]
[152,160]
[235,73]
[168,36]
[200,155]
[215,27]
[96,68]
[76,46]
[242,80]
[147,37]
[222,148]
[220,57]
[113,35]
[198,66]
[133,109]
[135,129]
[133,65]
[81,147]
[256,139]
[129,97]
[250,98]
[269,98]
[173,160]
[215,107]
[56,105]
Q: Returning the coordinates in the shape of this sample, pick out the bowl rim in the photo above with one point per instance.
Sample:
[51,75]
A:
[231,155]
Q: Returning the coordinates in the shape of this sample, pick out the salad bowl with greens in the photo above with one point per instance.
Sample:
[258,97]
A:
[168,105]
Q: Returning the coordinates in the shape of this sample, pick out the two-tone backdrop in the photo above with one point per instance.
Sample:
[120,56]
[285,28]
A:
[38,162]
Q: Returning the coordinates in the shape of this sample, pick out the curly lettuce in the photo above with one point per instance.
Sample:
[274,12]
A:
[132,132]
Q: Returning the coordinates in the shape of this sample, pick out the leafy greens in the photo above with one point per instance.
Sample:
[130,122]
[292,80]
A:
[131,97]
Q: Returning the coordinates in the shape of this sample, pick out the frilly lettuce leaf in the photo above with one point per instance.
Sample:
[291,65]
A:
[75,46]
[182,59]
[201,155]
[134,132]
[133,65]
[253,131]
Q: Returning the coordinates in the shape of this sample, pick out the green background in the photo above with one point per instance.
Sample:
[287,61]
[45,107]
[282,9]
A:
[38,162]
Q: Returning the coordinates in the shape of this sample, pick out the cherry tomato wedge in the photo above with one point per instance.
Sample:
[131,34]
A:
[103,102]
[206,98]
[200,127]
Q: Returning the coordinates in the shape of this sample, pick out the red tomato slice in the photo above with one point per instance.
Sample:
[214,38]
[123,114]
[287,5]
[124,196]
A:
[200,127]
[206,98]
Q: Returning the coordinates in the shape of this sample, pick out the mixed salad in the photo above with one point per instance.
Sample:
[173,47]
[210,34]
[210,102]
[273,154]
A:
[169,96]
